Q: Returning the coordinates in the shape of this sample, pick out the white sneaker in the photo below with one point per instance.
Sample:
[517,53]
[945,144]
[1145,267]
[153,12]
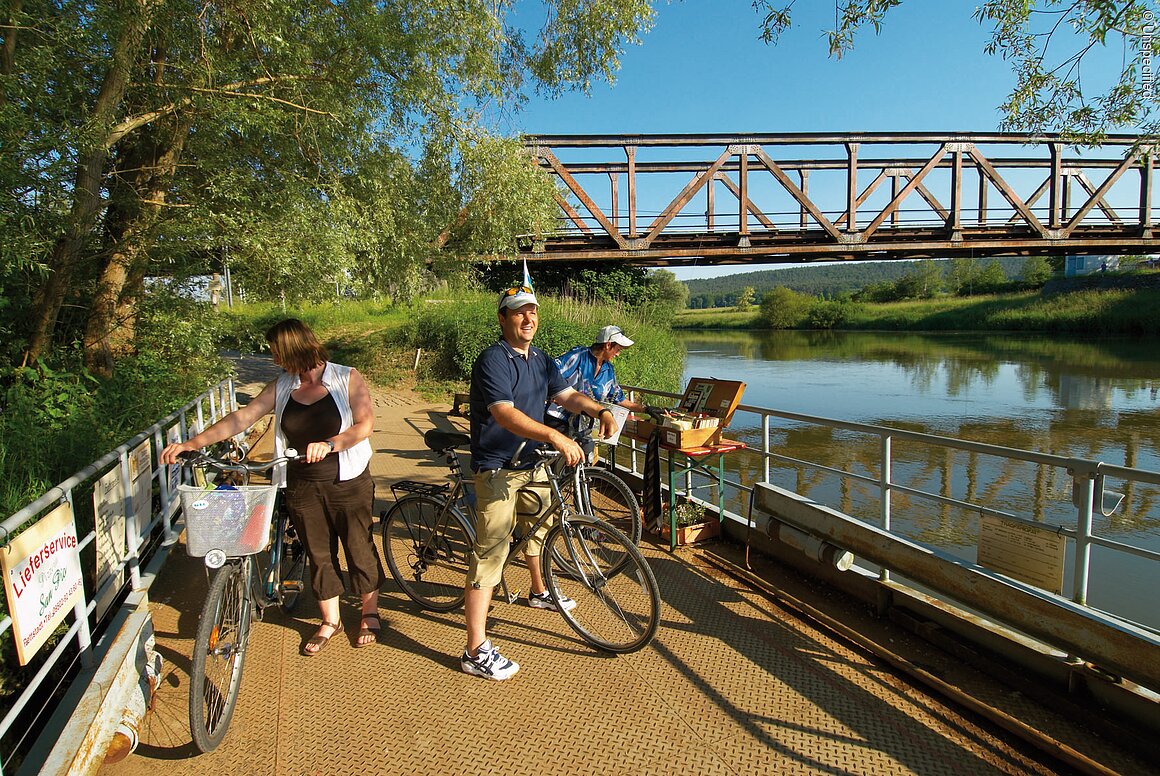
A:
[544,601]
[488,663]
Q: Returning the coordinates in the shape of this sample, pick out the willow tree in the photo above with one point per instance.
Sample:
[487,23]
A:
[306,140]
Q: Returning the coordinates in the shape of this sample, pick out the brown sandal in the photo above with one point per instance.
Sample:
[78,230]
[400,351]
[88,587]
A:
[318,642]
[365,631]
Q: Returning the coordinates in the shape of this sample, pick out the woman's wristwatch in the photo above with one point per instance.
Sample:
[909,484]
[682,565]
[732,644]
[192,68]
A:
[330,444]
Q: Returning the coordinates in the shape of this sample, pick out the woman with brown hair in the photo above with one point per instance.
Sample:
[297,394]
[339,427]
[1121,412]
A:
[324,411]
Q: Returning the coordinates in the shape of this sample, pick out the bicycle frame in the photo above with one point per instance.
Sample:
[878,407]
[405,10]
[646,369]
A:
[263,588]
[429,534]
[454,496]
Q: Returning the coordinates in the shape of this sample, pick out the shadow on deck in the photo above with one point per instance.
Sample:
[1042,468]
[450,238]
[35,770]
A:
[732,684]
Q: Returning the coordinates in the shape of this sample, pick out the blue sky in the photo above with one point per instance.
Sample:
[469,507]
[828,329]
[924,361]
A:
[703,69]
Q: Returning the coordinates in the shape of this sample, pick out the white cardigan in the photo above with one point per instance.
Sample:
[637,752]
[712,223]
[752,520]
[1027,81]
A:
[336,377]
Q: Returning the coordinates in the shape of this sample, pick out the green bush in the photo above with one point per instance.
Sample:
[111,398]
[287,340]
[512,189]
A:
[57,418]
[1036,272]
[783,308]
[458,330]
[829,313]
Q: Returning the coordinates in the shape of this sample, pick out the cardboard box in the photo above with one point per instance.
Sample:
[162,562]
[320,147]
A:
[718,398]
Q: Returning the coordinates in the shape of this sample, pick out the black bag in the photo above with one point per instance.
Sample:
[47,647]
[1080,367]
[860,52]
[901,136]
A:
[651,508]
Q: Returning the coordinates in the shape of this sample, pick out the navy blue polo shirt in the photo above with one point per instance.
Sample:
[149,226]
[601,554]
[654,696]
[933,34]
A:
[500,374]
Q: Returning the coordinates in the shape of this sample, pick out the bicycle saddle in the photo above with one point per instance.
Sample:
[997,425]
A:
[442,441]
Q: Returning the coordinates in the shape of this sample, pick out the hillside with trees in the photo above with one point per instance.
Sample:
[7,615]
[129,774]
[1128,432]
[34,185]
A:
[825,281]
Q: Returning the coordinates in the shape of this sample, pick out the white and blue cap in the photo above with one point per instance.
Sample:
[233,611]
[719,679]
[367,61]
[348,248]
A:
[516,297]
[613,334]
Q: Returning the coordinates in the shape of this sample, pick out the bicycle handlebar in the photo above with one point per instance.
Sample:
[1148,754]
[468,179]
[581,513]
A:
[204,459]
[545,454]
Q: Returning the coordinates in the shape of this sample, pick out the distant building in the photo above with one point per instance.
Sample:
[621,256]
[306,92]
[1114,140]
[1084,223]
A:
[1086,265]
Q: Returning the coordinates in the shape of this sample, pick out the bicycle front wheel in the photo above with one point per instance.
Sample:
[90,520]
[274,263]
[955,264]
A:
[218,654]
[618,605]
[427,546]
[611,500]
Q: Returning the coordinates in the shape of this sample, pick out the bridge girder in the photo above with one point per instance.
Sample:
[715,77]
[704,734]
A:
[913,206]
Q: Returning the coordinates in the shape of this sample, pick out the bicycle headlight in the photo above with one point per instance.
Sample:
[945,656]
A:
[215,559]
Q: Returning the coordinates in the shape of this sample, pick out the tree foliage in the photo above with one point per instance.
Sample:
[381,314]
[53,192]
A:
[783,308]
[924,281]
[963,277]
[745,299]
[1046,42]
[835,280]
[1036,271]
[310,144]
[651,294]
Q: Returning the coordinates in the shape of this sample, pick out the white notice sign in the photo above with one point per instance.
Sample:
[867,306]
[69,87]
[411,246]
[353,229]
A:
[109,519]
[141,475]
[172,437]
[42,578]
[1028,553]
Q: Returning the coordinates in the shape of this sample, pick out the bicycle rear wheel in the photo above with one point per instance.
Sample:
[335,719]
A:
[617,600]
[292,567]
[219,652]
[611,500]
[427,547]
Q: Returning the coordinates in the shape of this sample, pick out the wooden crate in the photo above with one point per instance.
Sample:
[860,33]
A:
[718,398]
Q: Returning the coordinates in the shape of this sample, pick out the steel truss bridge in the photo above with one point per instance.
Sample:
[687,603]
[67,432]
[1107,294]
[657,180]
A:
[762,198]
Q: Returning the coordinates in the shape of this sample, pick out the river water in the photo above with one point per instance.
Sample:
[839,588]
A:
[1093,399]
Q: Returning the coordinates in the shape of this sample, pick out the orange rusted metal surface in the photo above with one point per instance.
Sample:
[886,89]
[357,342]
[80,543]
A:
[731,685]
[764,216]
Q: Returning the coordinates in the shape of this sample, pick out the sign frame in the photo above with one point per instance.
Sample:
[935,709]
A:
[42,567]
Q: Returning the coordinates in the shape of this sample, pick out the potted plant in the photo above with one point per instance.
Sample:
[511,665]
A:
[693,524]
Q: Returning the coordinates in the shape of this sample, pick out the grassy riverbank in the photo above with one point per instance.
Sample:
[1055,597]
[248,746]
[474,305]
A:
[430,346]
[1072,308]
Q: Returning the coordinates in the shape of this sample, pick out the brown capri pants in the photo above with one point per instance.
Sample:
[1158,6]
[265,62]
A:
[499,506]
[326,512]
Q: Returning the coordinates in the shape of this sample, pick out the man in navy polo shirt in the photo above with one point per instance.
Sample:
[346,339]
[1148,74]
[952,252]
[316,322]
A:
[511,383]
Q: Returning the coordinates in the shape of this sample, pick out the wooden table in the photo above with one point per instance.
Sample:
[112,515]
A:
[708,459]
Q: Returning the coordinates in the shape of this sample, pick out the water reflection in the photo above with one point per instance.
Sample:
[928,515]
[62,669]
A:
[1085,399]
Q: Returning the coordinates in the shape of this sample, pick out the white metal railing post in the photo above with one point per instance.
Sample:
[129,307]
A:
[81,609]
[1083,537]
[765,448]
[132,538]
[170,536]
[884,486]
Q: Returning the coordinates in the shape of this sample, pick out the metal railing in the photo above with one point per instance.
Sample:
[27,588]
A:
[78,649]
[873,464]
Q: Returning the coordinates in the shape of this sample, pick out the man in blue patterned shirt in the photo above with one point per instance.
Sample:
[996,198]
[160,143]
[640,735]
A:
[589,370]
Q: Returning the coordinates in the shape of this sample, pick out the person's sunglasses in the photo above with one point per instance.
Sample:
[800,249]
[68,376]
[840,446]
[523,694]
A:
[518,290]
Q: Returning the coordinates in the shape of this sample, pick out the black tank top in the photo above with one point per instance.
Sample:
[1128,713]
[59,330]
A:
[306,423]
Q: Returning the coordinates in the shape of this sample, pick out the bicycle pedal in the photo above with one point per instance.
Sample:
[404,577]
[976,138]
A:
[514,596]
[291,586]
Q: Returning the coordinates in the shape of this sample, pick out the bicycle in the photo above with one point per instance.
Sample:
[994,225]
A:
[602,493]
[229,527]
[429,532]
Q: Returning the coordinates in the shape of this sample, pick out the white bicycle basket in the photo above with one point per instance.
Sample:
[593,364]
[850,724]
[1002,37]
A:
[234,520]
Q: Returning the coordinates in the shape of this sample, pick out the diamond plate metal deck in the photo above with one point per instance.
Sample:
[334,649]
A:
[732,685]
